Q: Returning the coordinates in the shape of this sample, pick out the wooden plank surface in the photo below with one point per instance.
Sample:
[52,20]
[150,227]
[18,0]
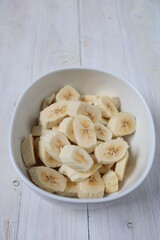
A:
[36,37]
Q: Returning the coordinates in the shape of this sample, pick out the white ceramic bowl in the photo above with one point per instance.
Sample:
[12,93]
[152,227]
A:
[86,81]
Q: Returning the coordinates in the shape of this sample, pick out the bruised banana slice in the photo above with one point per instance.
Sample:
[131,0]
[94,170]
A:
[122,124]
[67,93]
[53,115]
[46,158]
[84,133]
[77,176]
[66,127]
[76,158]
[111,151]
[121,167]
[106,106]
[102,132]
[92,187]
[48,179]
[27,149]
[54,141]
[48,101]
[110,181]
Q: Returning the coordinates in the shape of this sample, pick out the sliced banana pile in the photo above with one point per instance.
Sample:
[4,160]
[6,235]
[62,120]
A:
[77,149]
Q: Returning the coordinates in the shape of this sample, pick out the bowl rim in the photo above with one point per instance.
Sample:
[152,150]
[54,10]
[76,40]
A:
[76,200]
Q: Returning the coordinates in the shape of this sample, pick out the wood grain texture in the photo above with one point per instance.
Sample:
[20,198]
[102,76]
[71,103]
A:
[36,37]
[122,38]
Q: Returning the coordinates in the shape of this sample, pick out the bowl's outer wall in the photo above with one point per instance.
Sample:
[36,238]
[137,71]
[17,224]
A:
[142,143]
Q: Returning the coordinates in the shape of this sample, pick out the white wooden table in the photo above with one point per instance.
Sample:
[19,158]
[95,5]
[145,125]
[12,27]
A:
[122,37]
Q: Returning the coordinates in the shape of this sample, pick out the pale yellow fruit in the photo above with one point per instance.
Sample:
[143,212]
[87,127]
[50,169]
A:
[67,93]
[84,133]
[27,150]
[111,151]
[48,179]
[110,181]
[122,124]
[92,187]
[121,166]
[53,115]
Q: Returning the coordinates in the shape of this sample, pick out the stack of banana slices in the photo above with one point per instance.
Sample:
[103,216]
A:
[77,150]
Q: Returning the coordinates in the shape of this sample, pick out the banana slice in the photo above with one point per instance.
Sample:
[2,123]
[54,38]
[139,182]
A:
[122,124]
[48,179]
[76,176]
[76,158]
[76,108]
[66,127]
[104,169]
[106,106]
[36,131]
[48,101]
[102,132]
[110,181]
[121,166]
[88,99]
[53,115]
[71,189]
[111,151]
[84,133]
[54,141]
[46,158]
[27,150]
[55,127]
[67,93]
[116,102]
[92,187]
[104,121]
[36,147]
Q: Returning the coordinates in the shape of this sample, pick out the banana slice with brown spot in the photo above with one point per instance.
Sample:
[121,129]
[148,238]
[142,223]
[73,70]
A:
[111,151]
[92,187]
[48,179]
[106,106]
[84,133]
[67,93]
[110,181]
[27,150]
[122,124]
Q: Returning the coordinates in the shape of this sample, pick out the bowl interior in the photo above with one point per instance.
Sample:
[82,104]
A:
[87,82]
